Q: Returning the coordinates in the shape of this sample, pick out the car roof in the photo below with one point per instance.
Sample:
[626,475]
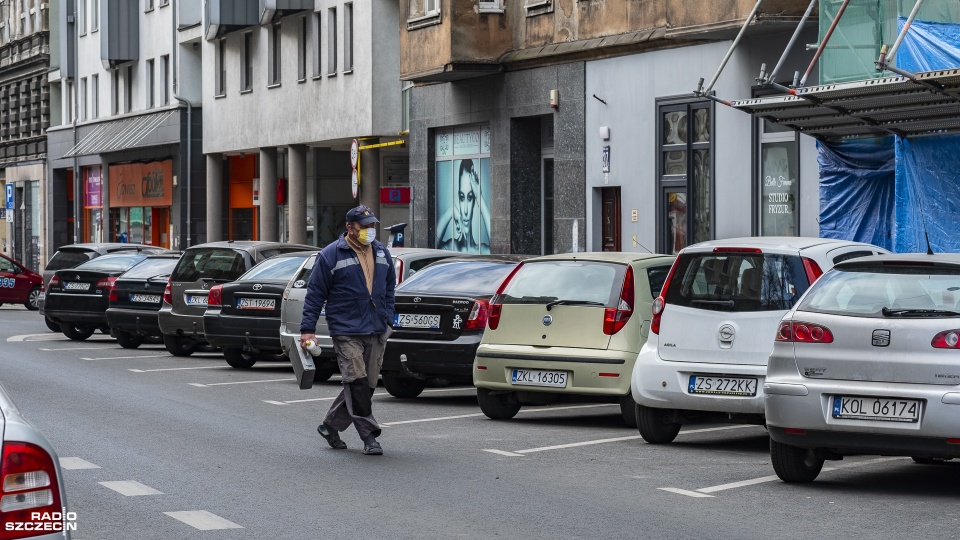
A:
[418,251]
[245,245]
[622,257]
[780,242]
[98,246]
[940,259]
[484,258]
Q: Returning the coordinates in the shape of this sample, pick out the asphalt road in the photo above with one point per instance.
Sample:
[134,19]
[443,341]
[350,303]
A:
[158,447]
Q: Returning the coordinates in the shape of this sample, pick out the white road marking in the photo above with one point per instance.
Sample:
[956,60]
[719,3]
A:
[241,382]
[388,424]
[79,348]
[130,488]
[432,390]
[685,492]
[502,452]
[127,357]
[75,464]
[203,520]
[743,483]
[174,369]
[36,337]
[272,402]
[545,409]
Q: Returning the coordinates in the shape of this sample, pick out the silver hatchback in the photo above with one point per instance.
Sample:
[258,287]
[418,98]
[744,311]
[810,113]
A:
[868,362]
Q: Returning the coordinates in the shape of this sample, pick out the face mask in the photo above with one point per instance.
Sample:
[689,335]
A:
[367,236]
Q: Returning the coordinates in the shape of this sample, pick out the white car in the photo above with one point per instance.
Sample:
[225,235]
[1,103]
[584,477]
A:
[714,324]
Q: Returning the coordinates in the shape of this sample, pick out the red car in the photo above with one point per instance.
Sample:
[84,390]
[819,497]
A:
[18,285]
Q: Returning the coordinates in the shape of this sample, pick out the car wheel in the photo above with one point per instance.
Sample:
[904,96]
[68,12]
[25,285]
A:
[628,410]
[128,340]
[33,299]
[77,332]
[237,359]
[794,465]
[53,325]
[325,371]
[497,406]
[929,461]
[403,387]
[656,426]
[179,346]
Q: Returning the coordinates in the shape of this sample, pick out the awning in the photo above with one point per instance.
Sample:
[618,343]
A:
[928,105]
[122,135]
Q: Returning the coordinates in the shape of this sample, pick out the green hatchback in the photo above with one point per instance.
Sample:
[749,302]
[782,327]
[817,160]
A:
[567,324]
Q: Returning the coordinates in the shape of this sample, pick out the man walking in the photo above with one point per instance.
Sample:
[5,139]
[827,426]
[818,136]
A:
[354,277]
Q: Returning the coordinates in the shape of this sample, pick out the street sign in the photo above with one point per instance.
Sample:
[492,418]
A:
[606,158]
[354,153]
[354,183]
[395,195]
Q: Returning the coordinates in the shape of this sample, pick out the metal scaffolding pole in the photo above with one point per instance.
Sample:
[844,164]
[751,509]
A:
[726,58]
[823,43]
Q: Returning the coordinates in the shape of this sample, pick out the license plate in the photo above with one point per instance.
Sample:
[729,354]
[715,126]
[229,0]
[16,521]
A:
[539,377]
[76,286]
[195,300]
[406,320]
[883,409]
[256,303]
[150,298]
[727,386]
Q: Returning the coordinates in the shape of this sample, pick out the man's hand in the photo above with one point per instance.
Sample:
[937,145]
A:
[307,337]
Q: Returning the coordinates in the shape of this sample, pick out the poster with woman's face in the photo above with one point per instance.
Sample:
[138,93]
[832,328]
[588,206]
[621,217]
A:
[463,205]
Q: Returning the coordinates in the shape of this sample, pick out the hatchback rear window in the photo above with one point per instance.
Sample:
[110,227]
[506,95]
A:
[152,268]
[585,282]
[459,277]
[211,263]
[113,263]
[737,281]
[281,268]
[69,259]
[889,291]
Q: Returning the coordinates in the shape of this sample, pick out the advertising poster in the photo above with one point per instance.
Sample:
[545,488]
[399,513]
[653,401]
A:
[463,190]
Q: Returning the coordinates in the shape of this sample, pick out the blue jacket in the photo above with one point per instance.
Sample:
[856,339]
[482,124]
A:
[337,280]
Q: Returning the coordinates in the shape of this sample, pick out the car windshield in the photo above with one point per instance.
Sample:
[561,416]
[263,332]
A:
[152,268]
[587,282]
[278,268]
[69,258]
[890,290]
[460,277]
[113,263]
[213,263]
[737,281]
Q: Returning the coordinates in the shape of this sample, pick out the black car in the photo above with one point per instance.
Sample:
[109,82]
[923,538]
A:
[136,300]
[243,317]
[439,318]
[77,298]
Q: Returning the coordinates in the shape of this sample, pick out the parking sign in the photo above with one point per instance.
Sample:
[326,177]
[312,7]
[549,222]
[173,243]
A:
[9,196]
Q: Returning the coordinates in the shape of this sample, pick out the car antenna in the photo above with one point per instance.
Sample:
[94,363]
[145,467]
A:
[923,222]
[636,243]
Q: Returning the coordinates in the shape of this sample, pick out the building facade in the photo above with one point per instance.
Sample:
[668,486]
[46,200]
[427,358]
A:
[25,115]
[287,86]
[125,159]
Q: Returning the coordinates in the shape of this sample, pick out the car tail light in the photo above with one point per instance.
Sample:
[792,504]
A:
[168,293]
[478,316]
[398,268]
[614,319]
[29,492]
[54,281]
[215,296]
[948,339]
[493,313]
[802,332]
[812,268]
[661,301]
[110,284]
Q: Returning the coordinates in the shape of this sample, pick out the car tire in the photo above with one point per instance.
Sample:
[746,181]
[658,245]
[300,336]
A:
[497,406]
[794,465]
[403,387]
[238,360]
[33,299]
[77,332]
[325,371]
[53,325]
[656,426]
[628,410]
[128,340]
[179,346]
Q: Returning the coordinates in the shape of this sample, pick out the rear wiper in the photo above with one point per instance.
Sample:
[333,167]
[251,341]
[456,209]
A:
[728,303]
[157,276]
[887,312]
[574,303]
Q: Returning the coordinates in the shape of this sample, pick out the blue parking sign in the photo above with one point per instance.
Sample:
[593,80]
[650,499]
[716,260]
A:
[9,196]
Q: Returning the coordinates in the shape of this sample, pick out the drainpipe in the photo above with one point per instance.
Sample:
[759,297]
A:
[174,68]
[76,113]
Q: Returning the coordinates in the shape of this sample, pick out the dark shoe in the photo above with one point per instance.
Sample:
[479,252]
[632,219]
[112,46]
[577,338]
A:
[371,447]
[332,437]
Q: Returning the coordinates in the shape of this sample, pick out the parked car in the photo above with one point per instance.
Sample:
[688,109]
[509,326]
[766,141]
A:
[19,285]
[136,300]
[866,363]
[32,488]
[712,325]
[200,268]
[243,317]
[406,261]
[567,324]
[78,298]
[439,316]
[75,254]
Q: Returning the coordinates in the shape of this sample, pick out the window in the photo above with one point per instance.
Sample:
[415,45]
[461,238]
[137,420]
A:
[316,45]
[537,7]
[69,101]
[150,84]
[684,173]
[164,3]
[82,17]
[148,5]
[115,95]
[405,90]
[220,69]
[165,93]
[490,6]
[94,15]
[246,75]
[422,9]
[274,64]
[83,99]
[778,179]
[302,51]
[95,96]
[332,41]
[348,37]
[128,89]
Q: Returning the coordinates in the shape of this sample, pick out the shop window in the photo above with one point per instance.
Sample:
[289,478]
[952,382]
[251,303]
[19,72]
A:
[463,188]
[777,179]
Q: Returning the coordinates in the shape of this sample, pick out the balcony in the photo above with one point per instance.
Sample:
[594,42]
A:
[119,33]
[271,10]
[224,16]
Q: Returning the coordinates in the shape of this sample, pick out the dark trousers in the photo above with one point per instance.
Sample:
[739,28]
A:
[360,359]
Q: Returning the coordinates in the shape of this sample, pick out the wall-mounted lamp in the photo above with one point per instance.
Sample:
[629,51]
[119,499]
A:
[554,99]
[605,133]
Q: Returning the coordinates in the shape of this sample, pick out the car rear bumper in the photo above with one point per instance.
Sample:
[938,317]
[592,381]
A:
[174,324]
[433,358]
[242,332]
[82,317]
[868,443]
[661,384]
[141,322]
[590,371]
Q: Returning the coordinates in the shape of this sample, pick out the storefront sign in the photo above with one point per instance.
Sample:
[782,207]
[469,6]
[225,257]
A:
[93,188]
[141,184]
[395,195]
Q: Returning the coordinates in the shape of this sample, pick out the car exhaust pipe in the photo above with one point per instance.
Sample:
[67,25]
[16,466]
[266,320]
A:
[407,371]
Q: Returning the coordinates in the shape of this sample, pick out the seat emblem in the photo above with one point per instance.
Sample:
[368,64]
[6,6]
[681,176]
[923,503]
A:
[547,320]
[257,286]
[881,338]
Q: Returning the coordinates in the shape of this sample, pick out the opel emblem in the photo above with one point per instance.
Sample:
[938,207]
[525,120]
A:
[257,287]
[417,299]
[547,320]
[727,333]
